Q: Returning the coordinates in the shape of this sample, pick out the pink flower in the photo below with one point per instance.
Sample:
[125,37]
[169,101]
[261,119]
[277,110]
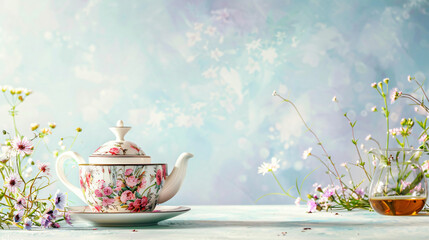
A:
[417,188]
[404,184]
[312,206]
[142,185]
[13,182]
[395,95]
[128,172]
[423,138]
[22,146]
[126,196]
[82,183]
[158,177]
[98,193]
[97,208]
[101,184]
[138,205]
[44,167]
[131,181]
[360,192]
[119,185]
[164,171]
[107,191]
[88,179]
[20,203]
[328,192]
[108,201]
[114,151]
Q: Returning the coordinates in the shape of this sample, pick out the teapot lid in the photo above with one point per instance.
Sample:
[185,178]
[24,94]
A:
[120,147]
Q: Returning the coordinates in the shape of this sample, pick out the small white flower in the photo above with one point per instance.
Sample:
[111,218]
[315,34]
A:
[334,99]
[374,85]
[358,162]
[274,93]
[374,109]
[264,168]
[368,137]
[63,148]
[297,201]
[30,161]
[60,143]
[306,153]
[362,146]
[267,167]
[343,164]
[410,79]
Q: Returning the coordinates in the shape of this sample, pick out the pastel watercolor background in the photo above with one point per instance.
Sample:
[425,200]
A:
[197,76]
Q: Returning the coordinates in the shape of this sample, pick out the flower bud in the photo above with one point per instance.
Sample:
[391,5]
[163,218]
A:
[4,88]
[21,98]
[374,109]
[55,153]
[27,92]
[386,80]
[12,91]
[34,126]
[18,90]
[52,125]
[403,121]
[334,99]
[380,84]
[410,78]
[4,132]
[79,129]
[374,85]
[274,93]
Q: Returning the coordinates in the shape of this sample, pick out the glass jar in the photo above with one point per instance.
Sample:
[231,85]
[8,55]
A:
[398,186]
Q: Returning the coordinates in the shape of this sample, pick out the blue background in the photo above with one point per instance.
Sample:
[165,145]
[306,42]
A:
[197,76]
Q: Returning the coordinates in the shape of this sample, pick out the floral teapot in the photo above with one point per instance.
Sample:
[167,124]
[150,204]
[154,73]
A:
[120,177]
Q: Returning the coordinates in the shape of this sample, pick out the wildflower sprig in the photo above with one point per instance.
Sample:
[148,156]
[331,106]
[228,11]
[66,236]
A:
[339,194]
[22,202]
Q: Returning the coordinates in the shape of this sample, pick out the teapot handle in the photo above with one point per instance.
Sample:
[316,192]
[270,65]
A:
[60,171]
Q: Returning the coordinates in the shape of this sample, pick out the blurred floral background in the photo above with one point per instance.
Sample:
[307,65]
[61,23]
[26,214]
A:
[198,76]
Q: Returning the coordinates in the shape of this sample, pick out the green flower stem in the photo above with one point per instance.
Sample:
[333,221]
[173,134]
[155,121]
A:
[287,194]
[74,140]
[148,188]
[268,194]
[13,113]
[317,139]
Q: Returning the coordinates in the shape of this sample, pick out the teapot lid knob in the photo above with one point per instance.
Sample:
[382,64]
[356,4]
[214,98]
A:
[120,130]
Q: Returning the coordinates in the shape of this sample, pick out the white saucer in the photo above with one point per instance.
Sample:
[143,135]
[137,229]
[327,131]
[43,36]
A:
[127,219]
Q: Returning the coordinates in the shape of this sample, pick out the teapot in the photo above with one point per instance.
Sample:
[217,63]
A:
[120,177]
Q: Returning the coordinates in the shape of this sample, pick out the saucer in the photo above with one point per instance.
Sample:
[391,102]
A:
[127,219]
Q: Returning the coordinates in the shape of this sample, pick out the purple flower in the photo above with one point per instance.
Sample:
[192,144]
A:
[27,224]
[328,192]
[360,192]
[60,200]
[13,182]
[48,218]
[22,146]
[67,217]
[18,217]
[20,203]
[312,206]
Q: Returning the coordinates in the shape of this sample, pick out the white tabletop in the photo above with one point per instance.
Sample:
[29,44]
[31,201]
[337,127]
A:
[250,222]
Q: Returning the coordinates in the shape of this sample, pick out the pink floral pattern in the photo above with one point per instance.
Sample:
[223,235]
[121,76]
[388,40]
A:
[124,189]
[119,148]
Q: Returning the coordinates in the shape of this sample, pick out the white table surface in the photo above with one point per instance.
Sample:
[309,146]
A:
[250,222]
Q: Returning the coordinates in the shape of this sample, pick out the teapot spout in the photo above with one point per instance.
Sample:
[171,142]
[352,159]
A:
[174,180]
